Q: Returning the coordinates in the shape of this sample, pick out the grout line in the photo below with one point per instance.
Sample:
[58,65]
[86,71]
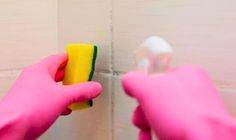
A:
[15,72]
[103,71]
[7,73]
[114,73]
[112,107]
[117,73]
[112,38]
[3,70]
[112,68]
[102,74]
[57,18]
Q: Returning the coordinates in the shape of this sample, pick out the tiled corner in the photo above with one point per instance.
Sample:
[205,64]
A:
[28,31]
[89,124]
[87,21]
[123,108]
[195,34]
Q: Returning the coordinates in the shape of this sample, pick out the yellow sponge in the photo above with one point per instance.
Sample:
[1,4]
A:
[80,68]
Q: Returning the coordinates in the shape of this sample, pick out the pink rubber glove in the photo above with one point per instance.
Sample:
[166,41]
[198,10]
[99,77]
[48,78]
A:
[182,104]
[36,100]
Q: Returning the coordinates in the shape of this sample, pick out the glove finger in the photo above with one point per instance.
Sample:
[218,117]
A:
[65,112]
[59,75]
[133,83]
[54,62]
[81,92]
[139,119]
[145,135]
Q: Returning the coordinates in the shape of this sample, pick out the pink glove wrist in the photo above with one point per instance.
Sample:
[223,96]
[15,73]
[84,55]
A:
[12,122]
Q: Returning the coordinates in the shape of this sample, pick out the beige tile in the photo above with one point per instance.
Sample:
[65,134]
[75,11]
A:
[7,79]
[205,37]
[49,134]
[87,21]
[90,124]
[28,31]
[229,98]
[217,61]
[123,108]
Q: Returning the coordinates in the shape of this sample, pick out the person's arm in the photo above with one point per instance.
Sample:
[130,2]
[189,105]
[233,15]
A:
[182,104]
[36,100]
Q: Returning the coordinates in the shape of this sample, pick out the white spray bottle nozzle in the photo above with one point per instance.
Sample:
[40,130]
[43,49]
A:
[153,55]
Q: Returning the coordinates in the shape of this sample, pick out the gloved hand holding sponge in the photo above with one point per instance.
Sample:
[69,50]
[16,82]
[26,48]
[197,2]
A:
[36,99]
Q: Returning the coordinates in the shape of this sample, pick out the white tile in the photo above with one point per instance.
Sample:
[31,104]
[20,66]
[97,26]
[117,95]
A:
[202,32]
[123,107]
[90,124]
[28,31]
[87,21]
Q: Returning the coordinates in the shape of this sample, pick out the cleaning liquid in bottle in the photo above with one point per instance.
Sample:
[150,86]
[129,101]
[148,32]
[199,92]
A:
[153,56]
